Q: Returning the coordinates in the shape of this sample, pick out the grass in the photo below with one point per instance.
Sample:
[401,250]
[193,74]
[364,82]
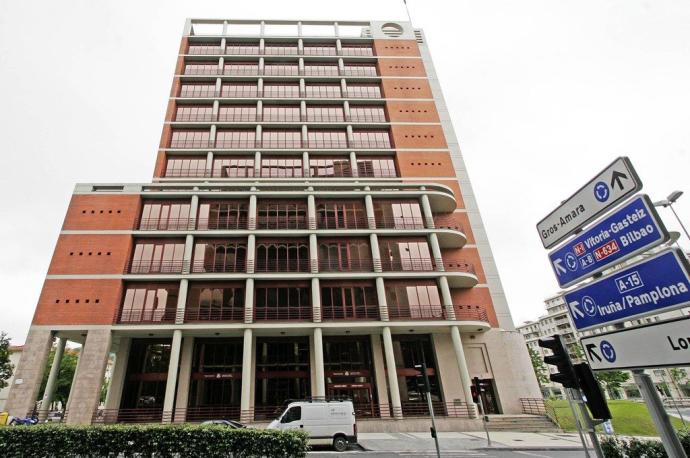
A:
[630,418]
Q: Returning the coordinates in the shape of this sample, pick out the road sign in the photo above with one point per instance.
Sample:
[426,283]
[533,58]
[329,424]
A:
[653,285]
[630,230]
[665,344]
[615,183]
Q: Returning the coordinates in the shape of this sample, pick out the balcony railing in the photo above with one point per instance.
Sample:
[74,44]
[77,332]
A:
[399,222]
[200,93]
[325,118]
[369,173]
[238,265]
[455,409]
[147,316]
[199,117]
[205,50]
[281,144]
[408,264]
[326,144]
[459,266]
[345,265]
[237,143]
[191,144]
[282,265]
[155,267]
[416,312]
[203,70]
[234,71]
[168,224]
[238,117]
[141,415]
[470,313]
[331,172]
[359,71]
[367,117]
[350,312]
[284,313]
[371,144]
[214,314]
[282,223]
[239,93]
[218,224]
[350,222]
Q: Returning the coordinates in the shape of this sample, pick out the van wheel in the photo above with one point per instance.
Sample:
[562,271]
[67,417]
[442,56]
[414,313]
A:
[340,444]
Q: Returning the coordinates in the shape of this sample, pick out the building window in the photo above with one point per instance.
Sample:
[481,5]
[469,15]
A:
[284,90]
[281,70]
[281,167]
[329,167]
[147,372]
[282,139]
[190,139]
[367,114]
[149,303]
[376,167]
[321,70]
[398,215]
[235,167]
[397,255]
[415,350]
[281,113]
[239,90]
[323,91]
[288,255]
[215,301]
[241,68]
[414,301]
[216,379]
[238,113]
[197,90]
[242,49]
[224,215]
[357,300]
[220,256]
[344,255]
[357,50]
[185,167]
[364,91]
[204,49]
[282,372]
[349,372]
[359,70]
[171,216]
[341,215]
[157,256]
[325,113]
[280,49]
[371,139]
[327,139]
[236,138]
[194,113]
[201,68]
[319,50]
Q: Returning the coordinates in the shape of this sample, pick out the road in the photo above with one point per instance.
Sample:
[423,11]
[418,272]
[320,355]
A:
[454,454]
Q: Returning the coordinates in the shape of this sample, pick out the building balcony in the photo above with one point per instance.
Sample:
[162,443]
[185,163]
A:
[235,266]
[220,224]
[169,224]
[355,222]
[281,144]
[470,313]
[416,312]
[400,222]
[282,313]
[318,51]
[140,316]
[212,313]
[156,267]
[350,312]
[346,265]
[408,265]
[282,266]
[279,223]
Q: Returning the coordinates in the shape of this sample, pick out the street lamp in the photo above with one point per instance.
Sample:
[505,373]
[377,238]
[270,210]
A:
[668,202]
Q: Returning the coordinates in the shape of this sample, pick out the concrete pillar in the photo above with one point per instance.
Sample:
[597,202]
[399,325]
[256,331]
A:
[316,299]
[336,29]
[193,212]
[305,164]
[187,256]
[246,413]
[257,164]
[171,382]
[258,142]
[181,301]
[51,384]
[381,298]
[251,224]
[341,66]
[184,380]
[392,373]
[319,376]
[300,65]
[302,88]
[303,110]
[380,376]
[313,254]
[221,65]
[259,110]
[262,65]
[215,110]
[86,388]
[305,136]
[249,300]
[262,43]
[343,87]
[219,87]
[117,380]
[251,253]
[209,164]
[446,297]
[212,136]
[350,135]
[426,211]
[260,87]
[375,252]
[28,374]
[369,205]
[225,32]
[353,165]
[300,42]
[311,211]
[462,366]
[338,47]
[436,251]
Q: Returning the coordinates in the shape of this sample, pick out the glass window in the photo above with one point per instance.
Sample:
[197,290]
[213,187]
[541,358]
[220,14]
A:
[204,49]
[241,113]
[235,138]
[194,113]
[281,113]
[367,114]
[319,50]
[281,69]
[329,167]
[280,49]
[185,167]
[165,216]
[321,70]
[378,168]
[220,256]
[371,139]
[326,113]
[357,50]
[359,70]
[327,139]
[281,215]
[222,215]
[190,139]
[198,90]
[324,91]
[233,167]
[157,256]
[149,303]
[281,167]
[341,215]
[239,90]
[201,68]
[284,90]
[364,91]
[241,68]
[282,138]
[242,48]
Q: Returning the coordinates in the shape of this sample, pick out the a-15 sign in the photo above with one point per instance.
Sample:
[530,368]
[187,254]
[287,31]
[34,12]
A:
[632,229]
[614,184]
[656,284]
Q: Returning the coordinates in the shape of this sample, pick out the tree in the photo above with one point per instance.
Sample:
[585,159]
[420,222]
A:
[5,364]
[64,381]
[612,380]
[539,367]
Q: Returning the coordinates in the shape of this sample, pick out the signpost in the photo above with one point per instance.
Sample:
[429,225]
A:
[630,230]
[666,344]
[611,186]
[653,285]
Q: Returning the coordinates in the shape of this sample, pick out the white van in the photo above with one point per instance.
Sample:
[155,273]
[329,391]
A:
[326,422]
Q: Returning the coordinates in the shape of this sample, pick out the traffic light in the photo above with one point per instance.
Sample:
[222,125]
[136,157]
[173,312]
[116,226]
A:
[566,374]
[594,396]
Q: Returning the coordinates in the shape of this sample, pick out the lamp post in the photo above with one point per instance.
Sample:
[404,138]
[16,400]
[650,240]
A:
[668,202]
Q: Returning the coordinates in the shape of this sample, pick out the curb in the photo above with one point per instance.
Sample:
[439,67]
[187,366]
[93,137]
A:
[566,448]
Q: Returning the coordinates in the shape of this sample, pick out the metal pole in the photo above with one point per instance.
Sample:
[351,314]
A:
[672,445]
[486,426]
[670,205]
[591,430]
[675,404]
[576,417]
[433,422]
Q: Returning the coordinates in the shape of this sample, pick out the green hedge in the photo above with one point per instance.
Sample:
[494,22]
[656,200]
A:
[616,447]
[149,441]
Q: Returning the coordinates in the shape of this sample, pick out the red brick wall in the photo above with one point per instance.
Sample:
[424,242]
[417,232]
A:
[159,168]
[418,136]
[87,212]
[90,254]
[457,221]
[431,164]
[396,48]
[418,111]
[394,88]
[465,254]
[78,302]
[476,296]
[401,67]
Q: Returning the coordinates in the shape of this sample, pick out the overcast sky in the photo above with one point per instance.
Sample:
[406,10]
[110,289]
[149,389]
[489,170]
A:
[543,94]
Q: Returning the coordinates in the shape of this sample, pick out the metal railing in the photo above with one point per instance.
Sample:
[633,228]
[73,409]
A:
[205,50]
[167,224]
[282,265]
[156,267]
[349,222]
[140,415]
[456,409]
[191,144]
[333,172]
[284,313]
[399,222]
[242,50]
[233,71]
[373,144]
[200,93]
[325,118]
[199,414]
[367,118]
[326,70]
[326,144]
[201,117]
[238,93]
[416,312]
[237,143]
[350,312]
[230,224]
[282,223]
[214,314]
[470,313]
[538,406]
[281,50]
[238,117]
[368,173]
[346,265]
[147,316]
[280,144]
[408,264]
[359,71]
[210,70]
[237,266]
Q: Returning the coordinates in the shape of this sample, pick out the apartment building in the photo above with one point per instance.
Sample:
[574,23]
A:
[310,231]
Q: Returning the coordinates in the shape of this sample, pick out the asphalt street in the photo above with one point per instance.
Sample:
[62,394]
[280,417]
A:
[454,454]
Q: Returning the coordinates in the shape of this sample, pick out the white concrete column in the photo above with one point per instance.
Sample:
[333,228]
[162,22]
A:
[302,88]
[188,252]
[381,298]
[221,65]
[300,42]
[209,164]
[313,254]
[316,300]
[251,251]
[392,372]
[299,29]
[305,164]
[262,42]
[426,210]
[446,297]
[338,47]
[193,211]
[251,215]
[303,110]
[219,87]
[257,164]
[346,110]
[341,66]
[320,382]
[369,205]
[305,136]
[300,65]
[336,29]
[436,251]
[181,301]
[212,137]
[375,252]
[117,380]
[215,110]
[171,382]
[185,378]
[259,110]
[343,87]
[225,32]
[353,164]
[380,376]
[51,384]
[311,211]
[246,414]
[249,300]
[350,135]
[462,366]
[260,87]
[258,142]
[262,65]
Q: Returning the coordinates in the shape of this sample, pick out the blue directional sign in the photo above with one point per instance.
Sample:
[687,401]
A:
[632,229]
[651,286]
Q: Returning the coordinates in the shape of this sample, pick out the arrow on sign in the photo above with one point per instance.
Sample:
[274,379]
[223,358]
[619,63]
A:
[576,311]
[559,268]
[591,353]
[616,178]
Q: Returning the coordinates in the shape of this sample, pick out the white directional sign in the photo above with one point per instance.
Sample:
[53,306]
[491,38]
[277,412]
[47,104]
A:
[656,345]
[615,183]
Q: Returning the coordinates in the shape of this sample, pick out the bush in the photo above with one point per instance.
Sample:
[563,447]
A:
[149,441]
[615,447]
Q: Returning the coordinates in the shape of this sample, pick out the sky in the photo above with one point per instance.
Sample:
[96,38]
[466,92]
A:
[543,94]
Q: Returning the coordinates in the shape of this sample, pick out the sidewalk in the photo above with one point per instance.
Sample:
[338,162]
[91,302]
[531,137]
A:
[476,440]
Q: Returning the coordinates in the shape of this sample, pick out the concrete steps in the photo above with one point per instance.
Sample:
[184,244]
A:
[522,423]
